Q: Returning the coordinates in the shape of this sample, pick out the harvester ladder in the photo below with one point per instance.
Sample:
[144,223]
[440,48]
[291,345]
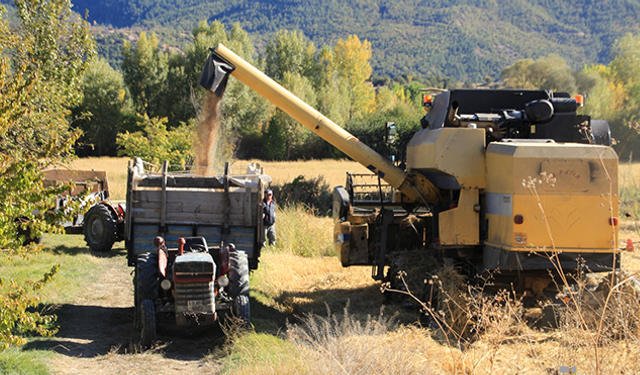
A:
[380,246]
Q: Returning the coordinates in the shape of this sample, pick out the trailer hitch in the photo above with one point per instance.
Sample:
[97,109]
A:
[215,74]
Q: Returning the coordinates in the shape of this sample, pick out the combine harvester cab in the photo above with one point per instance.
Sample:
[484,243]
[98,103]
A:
[508,180]
[193,241]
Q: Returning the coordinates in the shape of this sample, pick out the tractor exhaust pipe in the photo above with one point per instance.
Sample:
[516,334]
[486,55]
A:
[222,62]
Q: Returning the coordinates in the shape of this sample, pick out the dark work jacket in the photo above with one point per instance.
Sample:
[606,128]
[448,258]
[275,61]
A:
[269,210]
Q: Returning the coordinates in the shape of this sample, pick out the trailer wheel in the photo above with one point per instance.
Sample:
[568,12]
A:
[100,230]
[148,320]
[239,286]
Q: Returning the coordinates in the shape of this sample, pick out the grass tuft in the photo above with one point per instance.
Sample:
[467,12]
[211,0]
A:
[14,361]
[346,345]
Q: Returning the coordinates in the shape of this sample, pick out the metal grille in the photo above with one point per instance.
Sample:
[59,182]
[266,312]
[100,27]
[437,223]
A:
[194,298]
[365,189]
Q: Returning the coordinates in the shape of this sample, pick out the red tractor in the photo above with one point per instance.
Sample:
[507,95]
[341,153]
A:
[190,285]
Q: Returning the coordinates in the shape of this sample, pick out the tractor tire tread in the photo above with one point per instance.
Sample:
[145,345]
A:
[238,273]
[148,320]
[147,276]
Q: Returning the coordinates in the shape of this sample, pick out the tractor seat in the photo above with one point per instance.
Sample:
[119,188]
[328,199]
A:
[196,244]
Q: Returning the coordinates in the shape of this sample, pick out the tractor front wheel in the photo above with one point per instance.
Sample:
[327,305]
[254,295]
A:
[100,230]
[241,311]
[239,286]
[148,320]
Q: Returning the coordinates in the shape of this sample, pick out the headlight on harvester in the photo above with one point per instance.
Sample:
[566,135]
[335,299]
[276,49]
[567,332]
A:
[165,284]
[223,281]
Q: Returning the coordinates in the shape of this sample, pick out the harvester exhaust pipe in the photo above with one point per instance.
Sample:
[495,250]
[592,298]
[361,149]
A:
[222,62]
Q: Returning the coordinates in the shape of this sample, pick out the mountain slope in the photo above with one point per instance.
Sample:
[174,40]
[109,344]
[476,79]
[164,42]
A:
[464,39]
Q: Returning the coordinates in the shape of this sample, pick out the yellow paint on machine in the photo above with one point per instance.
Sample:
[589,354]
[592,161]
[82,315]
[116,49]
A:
[460,225]
[576,187]
[455,151]
[576,224]
[458,152]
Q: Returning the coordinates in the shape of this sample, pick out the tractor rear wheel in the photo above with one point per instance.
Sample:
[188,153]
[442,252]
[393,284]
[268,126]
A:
[145,283]
[239,286]
[148,322]
[147,276]
[100,230]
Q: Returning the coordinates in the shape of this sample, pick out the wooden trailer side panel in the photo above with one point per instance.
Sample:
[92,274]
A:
[196,206]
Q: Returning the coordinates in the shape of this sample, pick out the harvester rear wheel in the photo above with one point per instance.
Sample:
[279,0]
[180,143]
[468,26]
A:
[100,230]
[148,320]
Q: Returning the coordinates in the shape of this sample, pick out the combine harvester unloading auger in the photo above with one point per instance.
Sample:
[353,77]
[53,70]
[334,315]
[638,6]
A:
[508,180]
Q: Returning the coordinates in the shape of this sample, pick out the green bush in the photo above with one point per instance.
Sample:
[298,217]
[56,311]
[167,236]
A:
[313,193]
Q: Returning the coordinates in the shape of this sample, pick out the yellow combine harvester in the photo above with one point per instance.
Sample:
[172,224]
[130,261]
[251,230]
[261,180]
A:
[508,180]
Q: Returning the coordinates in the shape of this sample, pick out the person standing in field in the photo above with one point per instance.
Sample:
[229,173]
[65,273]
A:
[269,218]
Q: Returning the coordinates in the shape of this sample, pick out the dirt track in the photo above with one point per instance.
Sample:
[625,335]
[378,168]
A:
[96,333]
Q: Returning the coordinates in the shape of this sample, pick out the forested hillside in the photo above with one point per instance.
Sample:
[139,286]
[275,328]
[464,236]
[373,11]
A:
[464,39]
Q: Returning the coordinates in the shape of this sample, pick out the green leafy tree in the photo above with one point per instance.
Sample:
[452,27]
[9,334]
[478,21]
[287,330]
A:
[145,73]
[290,52]
[626,64]
[294,134]
[623,91]
[103,103]
[333,92]
[548,73]
[42,60]
[155,143]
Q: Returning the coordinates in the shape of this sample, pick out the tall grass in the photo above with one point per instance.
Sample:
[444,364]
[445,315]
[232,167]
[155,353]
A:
[13,362]
[629,178]
[342,344]
[258,354]
[301,233]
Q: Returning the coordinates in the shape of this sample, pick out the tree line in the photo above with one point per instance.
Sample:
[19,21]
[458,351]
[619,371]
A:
[150,107]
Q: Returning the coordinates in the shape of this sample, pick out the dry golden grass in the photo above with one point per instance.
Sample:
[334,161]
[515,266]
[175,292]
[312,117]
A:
[333,171]
[298,285]
[412,350]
